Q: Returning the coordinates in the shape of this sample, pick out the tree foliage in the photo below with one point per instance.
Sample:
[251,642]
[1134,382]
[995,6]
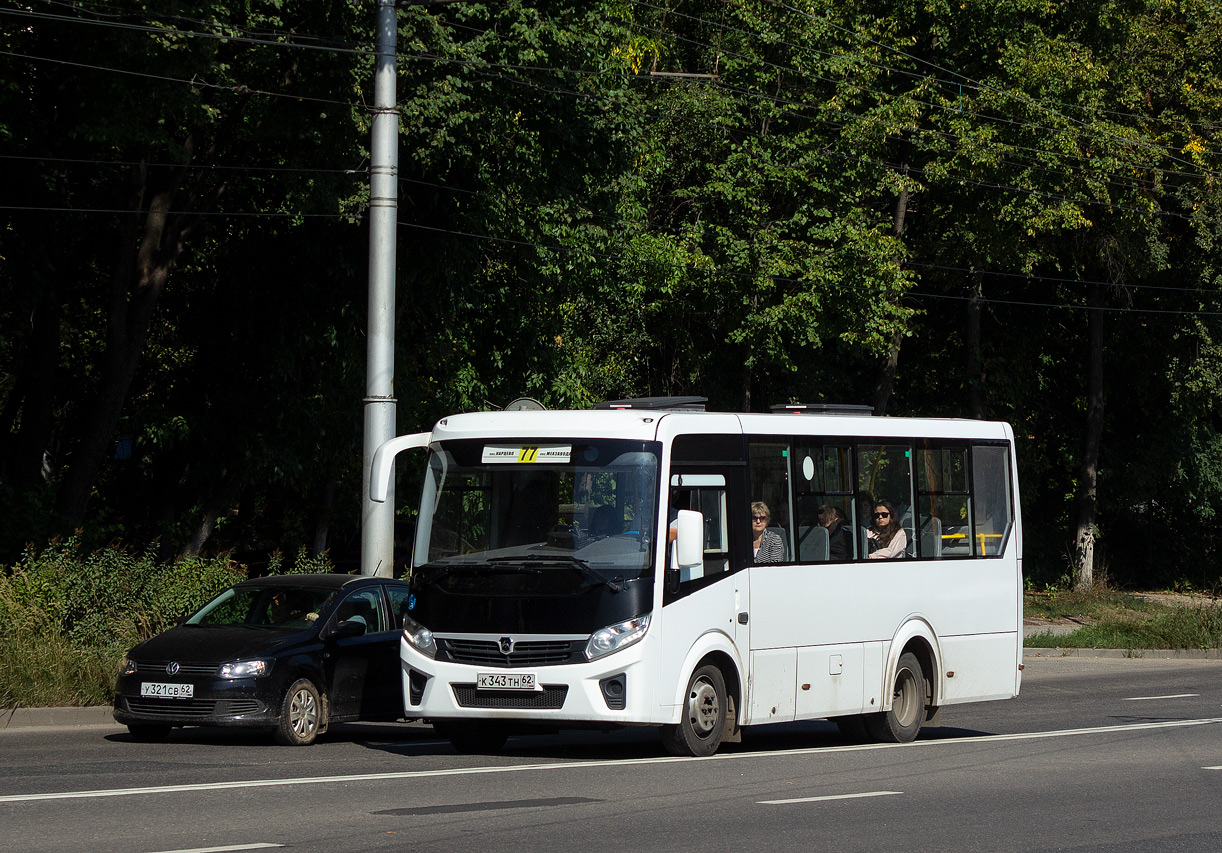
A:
[967,209]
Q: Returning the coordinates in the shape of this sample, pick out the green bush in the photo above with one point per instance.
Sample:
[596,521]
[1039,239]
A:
[67,618]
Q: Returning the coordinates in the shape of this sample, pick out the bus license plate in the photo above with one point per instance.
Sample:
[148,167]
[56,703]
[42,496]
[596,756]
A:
[505,681]
[167,691]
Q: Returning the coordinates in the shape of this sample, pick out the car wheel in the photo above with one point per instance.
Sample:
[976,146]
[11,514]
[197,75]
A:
[148,732]
[302,714]
[903,721]
[703,723]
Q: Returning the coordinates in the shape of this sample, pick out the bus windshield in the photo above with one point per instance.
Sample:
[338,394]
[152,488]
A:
[585,503]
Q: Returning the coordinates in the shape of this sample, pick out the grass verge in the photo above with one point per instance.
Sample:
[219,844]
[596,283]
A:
[1124,621]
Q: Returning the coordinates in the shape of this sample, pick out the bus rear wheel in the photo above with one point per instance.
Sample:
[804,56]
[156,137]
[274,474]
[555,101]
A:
[703,723]
[903,721]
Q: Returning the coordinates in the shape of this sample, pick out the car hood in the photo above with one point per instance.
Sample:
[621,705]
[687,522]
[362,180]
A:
[218,643]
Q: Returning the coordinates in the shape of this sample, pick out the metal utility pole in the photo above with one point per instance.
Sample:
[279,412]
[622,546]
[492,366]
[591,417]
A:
[378,519]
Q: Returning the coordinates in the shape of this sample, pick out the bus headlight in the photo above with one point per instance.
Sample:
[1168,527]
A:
[419,637]
[604,641]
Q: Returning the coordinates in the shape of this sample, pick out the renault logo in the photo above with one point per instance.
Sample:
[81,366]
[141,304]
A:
[506,644]
[172,668]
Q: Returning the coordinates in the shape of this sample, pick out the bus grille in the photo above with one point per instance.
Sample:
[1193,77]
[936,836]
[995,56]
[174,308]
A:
[526,653]
[550,698]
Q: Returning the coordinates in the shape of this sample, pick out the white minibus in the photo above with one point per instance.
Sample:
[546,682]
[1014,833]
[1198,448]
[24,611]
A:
[651,563]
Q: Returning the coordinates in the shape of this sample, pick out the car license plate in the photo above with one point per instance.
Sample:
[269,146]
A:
[160,690]
[506,681]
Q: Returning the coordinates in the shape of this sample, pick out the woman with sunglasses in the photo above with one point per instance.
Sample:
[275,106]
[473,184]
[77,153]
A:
[887,537]
[766,545]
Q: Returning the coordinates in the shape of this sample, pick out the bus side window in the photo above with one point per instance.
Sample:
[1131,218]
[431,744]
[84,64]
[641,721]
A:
[769,470]
[991,491]
[823,502]
[710,502]
[943,503]
[884,473]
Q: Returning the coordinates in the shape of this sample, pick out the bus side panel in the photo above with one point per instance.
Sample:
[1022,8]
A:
[983,667]
[773,689]
[816,607]
[702,622]
[831,680]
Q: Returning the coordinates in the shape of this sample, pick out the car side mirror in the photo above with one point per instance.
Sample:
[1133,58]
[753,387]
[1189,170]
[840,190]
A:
[347,630]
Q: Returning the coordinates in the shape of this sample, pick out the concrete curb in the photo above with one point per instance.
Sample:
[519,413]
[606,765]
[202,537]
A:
[1131,654]
[93,716]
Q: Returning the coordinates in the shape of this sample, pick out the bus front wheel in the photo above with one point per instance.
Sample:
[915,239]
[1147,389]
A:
[703,723]
[903,721]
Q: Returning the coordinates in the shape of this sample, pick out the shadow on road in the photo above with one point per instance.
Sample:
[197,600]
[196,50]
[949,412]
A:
[634,742]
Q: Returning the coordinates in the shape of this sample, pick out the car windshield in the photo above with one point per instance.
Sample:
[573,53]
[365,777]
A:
[265,606]
[571,505]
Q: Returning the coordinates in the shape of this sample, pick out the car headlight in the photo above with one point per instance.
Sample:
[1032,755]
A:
[419,637]
[128,667]
[604,641]
[245,669]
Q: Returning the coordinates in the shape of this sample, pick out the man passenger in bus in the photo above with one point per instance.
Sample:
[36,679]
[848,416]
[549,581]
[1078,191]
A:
[886,536]
[766,546]
[839,534]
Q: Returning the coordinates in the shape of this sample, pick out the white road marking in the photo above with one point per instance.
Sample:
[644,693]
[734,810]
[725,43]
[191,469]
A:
[259,846]
[579,765]
[829,797]
[1172,696]
[1219,767]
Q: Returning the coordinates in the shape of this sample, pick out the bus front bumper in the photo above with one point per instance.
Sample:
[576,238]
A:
[613,689]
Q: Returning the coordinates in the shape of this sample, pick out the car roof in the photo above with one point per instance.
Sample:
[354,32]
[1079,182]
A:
[316,581]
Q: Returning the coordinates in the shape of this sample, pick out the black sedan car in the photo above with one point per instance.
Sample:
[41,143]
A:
[290,653]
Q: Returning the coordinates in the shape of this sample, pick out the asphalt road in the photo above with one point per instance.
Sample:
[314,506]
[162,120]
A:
[1096,755]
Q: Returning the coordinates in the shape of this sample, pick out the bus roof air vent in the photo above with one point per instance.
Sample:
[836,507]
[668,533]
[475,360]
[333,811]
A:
[821,409]
[525,404]
[657,404]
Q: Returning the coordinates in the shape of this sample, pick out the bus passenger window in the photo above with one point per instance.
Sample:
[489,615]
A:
[823,502]
[943,503]
[769,469]
[884,485]
[991,492]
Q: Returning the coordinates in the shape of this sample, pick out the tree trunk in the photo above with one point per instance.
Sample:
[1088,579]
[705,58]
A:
[34,395]
[890,362]
[974,369]
[1088,471]
[322,525]
[221,500]
[136,287]
[886,375]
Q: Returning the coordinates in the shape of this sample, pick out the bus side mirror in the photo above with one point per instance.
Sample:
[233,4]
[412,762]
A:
[383,465]
[689,543]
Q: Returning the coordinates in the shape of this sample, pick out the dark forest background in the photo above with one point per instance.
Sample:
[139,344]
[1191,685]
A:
[1006,209]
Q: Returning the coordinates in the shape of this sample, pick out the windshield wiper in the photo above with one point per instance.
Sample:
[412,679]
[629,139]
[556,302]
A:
[562,560]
